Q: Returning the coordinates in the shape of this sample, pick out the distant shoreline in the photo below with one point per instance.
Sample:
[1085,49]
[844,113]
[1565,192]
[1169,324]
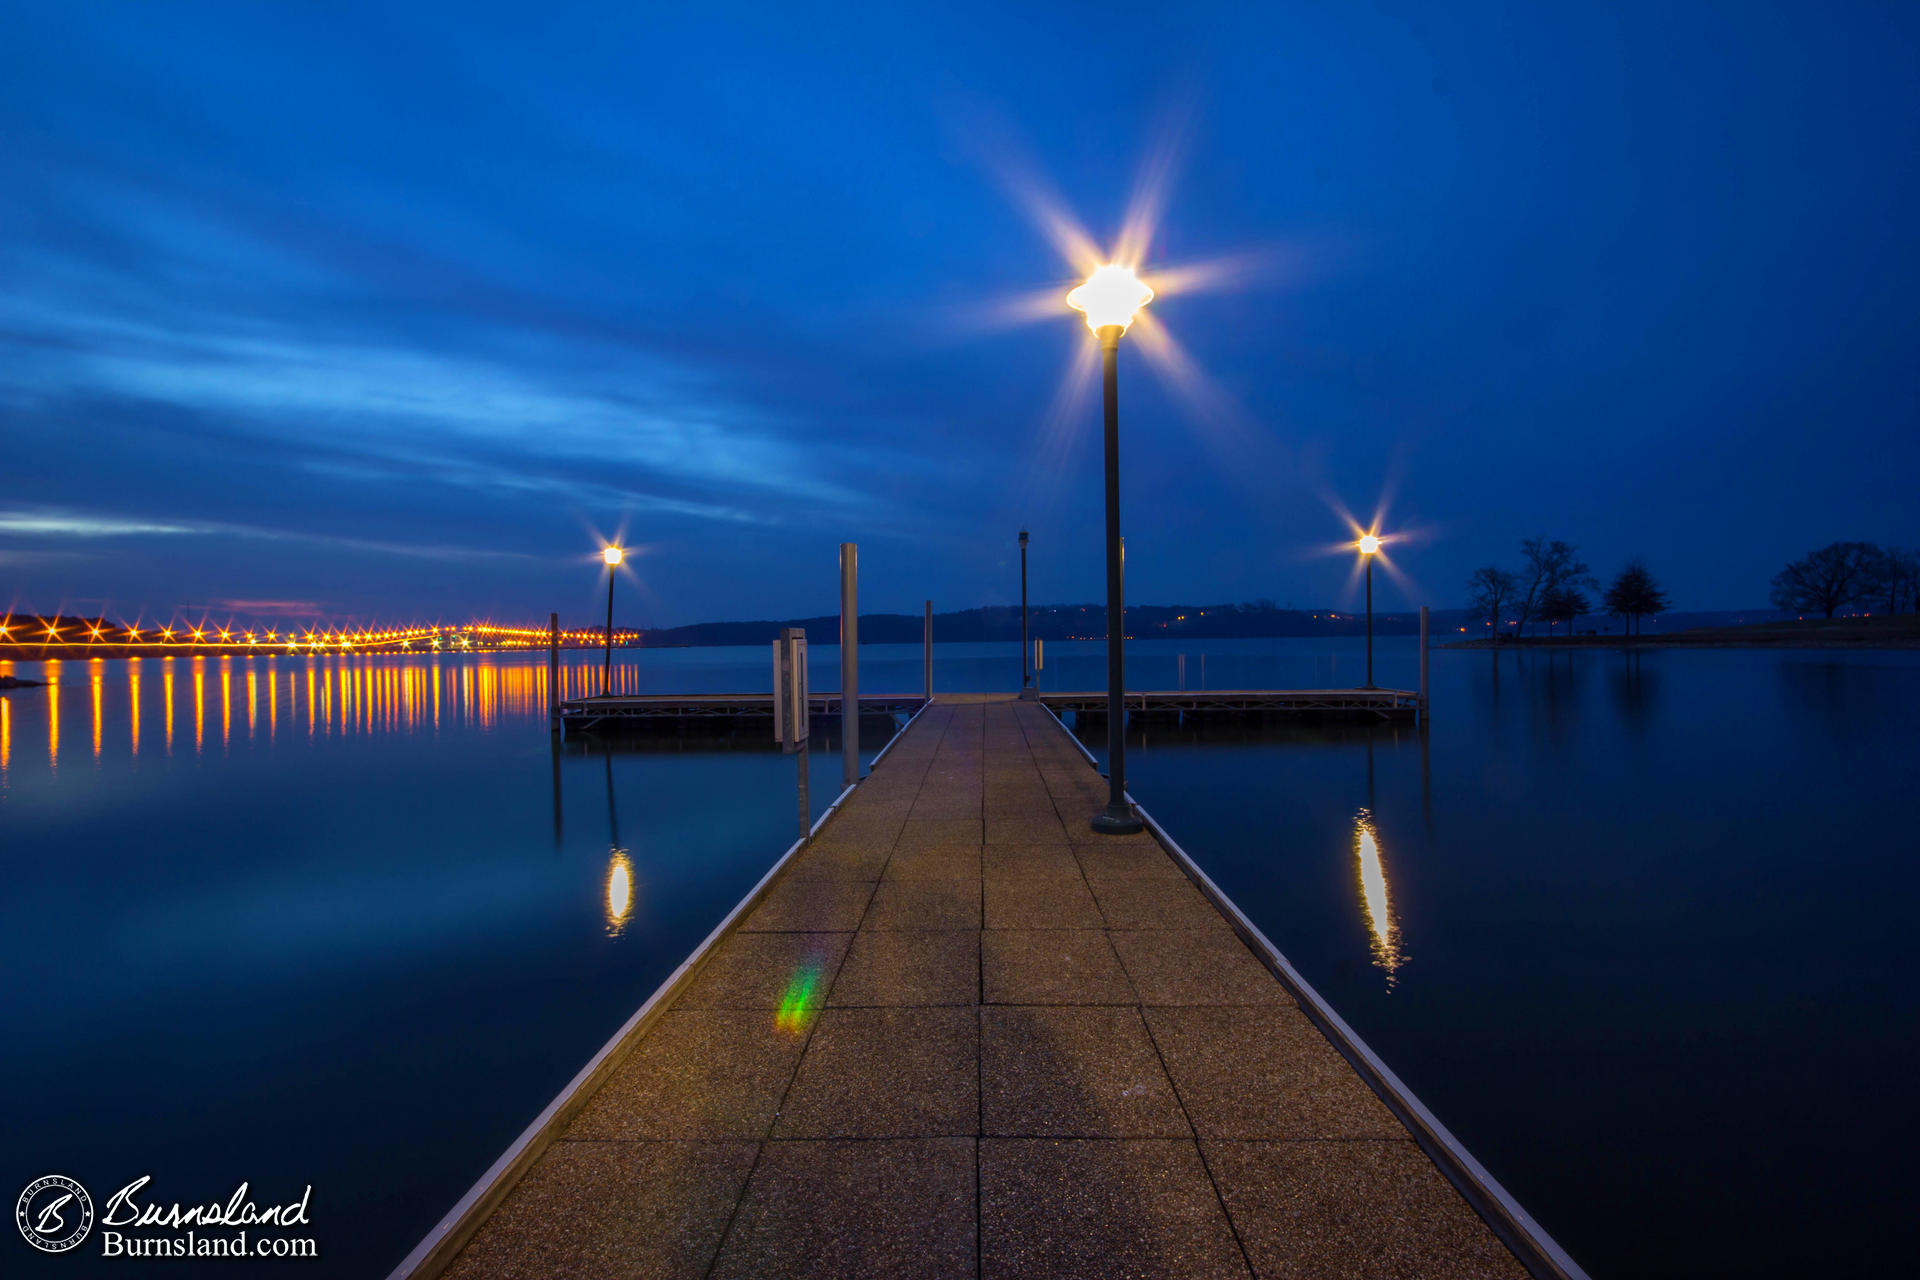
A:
[1901,632]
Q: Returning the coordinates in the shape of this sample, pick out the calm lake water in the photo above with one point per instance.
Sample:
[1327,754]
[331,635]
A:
[1633,926]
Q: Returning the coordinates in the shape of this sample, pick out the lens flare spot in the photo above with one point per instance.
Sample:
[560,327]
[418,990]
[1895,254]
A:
[797,1001]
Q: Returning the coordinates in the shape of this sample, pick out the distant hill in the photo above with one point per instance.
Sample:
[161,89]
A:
[1067,622]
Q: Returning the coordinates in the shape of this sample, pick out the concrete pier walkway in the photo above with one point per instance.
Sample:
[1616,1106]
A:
[964,1036]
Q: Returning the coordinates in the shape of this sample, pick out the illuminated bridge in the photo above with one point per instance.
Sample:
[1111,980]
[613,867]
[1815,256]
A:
[30,636]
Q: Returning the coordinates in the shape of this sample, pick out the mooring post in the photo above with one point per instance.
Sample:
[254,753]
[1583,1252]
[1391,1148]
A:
[849,664]
[926,652]
[553,672]
[1423,666]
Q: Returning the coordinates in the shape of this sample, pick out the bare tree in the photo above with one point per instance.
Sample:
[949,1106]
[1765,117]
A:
[1634,595]
[1907,564]
[1896,576]
[1490,589]
[1828,580]
[1545,567]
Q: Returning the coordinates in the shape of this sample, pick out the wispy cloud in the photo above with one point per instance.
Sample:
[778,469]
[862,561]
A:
[44,524]
[70,524]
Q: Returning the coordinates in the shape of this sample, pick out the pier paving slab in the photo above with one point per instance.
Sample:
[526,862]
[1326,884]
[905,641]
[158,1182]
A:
[1028,827]
[1352,1209]
[1127,862]
[1101,1208]
[925,904]
[964,1035]
[956,832]
[1264,1073]
[948,862]
[1040,902]
[698,1074]
[841,861]
[896,967]
[766,971]
[887,1073]
[1200,966]
[810,905]
[1027,861]
[1051,966]
[613,1211]
[1073,1072]
[1137,903]
[834,1210]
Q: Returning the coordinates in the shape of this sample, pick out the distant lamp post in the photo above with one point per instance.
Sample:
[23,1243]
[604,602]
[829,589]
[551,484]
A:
[1369,547]
[1109,299]
[1027,692]
[613,556]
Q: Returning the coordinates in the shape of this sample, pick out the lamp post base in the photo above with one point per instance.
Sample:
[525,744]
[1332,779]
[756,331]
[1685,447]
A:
[1117,820]
[1029,694]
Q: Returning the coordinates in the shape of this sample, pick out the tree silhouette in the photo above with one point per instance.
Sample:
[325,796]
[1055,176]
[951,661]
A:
[1634,595]
[1547,566]
[1828,580]
[1564,604]
[1896,577]
[1489,590]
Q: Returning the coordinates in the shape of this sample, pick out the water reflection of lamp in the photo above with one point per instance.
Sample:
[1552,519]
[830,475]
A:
[619,891]
[1373,895]
[619,867]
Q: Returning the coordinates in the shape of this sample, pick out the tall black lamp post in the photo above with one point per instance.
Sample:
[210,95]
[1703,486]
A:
[1027,691]
[613,556]
[1369,545]
[1109,298]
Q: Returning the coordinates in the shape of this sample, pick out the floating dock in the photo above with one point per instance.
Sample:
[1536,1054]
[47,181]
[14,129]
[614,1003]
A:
[956,1033]
[671,710]
[1188,705]
[666,710]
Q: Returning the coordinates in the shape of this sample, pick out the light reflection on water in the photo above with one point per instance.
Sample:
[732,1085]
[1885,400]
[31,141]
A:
[352,917]
[246,696]
[1373,895]
[1643,970]
[619,891]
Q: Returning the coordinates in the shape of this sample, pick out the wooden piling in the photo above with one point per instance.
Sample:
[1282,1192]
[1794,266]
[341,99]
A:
[1423,666]
[849,663]
[553,673]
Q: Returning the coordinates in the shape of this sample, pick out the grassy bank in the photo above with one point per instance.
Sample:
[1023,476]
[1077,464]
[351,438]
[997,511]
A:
[1899,632]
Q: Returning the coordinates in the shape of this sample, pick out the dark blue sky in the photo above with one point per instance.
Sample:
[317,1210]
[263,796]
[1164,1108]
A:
[393,308]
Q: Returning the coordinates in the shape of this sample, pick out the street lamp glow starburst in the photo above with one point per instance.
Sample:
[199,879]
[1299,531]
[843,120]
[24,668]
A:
[1111,297]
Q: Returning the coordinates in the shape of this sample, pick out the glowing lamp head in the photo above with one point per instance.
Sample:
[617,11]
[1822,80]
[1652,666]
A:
[1368,545]
[1110,297]
[613,556]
